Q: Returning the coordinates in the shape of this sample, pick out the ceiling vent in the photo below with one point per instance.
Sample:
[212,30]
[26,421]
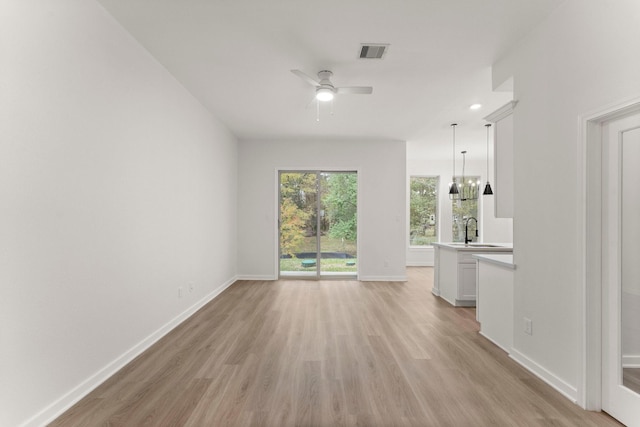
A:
[373,51]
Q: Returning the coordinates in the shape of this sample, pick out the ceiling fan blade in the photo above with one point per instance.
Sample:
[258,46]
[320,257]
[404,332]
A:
[356,90]
[306,78]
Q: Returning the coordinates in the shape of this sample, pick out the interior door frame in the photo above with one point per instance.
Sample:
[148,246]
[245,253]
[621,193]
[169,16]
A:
[590,247]
[317,171]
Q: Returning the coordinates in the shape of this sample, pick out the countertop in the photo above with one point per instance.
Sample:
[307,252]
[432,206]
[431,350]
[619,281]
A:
[503,260]
[476,247]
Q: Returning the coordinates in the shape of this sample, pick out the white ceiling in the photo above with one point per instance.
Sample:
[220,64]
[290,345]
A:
[235,56]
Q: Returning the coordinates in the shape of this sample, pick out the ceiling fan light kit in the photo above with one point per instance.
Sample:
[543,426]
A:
[324,94]
[325,90]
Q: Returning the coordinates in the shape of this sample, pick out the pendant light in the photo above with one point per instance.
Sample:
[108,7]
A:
[487,188]
[454,193]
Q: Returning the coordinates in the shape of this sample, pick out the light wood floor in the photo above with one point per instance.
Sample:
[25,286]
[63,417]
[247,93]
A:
[631,379]
[328,353]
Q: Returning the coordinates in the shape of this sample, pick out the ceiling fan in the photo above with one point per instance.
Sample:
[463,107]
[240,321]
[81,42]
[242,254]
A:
[325,90]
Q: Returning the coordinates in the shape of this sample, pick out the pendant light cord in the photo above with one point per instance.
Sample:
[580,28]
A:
[488,125]
[453,125]
[464,154]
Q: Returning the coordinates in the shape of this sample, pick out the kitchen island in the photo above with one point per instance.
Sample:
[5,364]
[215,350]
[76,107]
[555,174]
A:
[455,270]
[494,309]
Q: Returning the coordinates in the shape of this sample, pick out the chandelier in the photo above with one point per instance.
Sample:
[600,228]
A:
[466,189]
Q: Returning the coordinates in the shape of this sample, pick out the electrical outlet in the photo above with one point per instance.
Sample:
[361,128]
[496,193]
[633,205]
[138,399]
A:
[528,326]
[179,291]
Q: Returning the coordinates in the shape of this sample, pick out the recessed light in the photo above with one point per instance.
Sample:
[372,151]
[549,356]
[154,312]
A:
[475,106]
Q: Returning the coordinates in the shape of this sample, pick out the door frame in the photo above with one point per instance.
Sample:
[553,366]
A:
[590,247]
[316,170]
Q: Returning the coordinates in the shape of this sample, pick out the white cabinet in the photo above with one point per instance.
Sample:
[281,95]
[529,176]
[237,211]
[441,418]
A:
[465,294]
[456,277]
[495,299]
[455,272]
[503,190]
[446,271]
[436,278]
[467,282]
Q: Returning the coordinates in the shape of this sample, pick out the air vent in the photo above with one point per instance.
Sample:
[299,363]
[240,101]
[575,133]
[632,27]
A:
[373,51]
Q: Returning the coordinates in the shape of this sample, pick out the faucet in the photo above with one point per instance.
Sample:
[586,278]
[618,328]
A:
[466,230]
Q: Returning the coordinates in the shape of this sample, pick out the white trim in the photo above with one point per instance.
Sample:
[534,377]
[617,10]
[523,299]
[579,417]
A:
[256,277]
[382,278]
[631,361]
[585,377]
[419,264]
[506,350]
[276,185]
[589,382]
[452,302]
[539,371]
[501,112]
[59,406]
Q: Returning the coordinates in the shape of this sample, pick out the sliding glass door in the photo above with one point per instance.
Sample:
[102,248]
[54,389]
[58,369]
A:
[318,224]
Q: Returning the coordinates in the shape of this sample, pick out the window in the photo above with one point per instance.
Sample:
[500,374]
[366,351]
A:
[462,211]
[423,207]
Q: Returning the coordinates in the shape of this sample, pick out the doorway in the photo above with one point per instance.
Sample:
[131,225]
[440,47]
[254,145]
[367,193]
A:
[317,224]
[621,270]
[612,271]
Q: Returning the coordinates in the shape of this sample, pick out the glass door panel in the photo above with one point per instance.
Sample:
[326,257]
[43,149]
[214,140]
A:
[338,223]
[318,224]
[298,224]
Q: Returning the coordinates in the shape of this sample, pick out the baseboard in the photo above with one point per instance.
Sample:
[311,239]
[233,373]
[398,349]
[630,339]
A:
[503,348]
[631,361]
[566,389]
[452,302]
[256,277]
[382,278]
[465,303]
[69,399]
[419,264]
[360,278]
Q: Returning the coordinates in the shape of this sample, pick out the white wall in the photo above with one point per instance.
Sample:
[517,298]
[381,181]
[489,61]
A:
[381,201]
[582,58]
[492,229]
[116,187]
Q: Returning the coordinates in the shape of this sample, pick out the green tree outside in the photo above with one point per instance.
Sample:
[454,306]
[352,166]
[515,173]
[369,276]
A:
[299,217]
[340,200]
[423,199]
[297,210]
[292,228]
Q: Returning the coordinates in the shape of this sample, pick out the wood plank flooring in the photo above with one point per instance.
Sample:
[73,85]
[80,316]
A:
[631,379]
[327,353]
